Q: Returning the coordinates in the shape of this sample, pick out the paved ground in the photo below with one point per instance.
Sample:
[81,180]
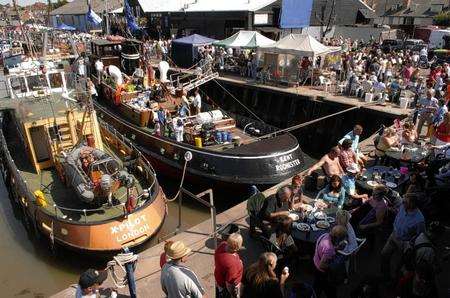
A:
[316,93]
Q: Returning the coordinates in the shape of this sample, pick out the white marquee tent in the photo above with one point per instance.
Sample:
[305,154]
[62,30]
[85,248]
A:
[283,57]
[299,45]
[245,39]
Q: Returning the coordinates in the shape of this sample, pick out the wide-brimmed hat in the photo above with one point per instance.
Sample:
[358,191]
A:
[177,250]
[352,169]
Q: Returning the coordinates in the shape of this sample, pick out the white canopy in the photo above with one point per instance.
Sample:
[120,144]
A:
[245,39]
[299,45]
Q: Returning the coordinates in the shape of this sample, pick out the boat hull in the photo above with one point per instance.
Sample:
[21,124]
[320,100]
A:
[112,235]
[255,164]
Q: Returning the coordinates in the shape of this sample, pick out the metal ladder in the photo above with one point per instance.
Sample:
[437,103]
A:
[204,78]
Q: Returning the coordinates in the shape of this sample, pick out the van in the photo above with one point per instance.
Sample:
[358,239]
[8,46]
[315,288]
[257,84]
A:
[437,39]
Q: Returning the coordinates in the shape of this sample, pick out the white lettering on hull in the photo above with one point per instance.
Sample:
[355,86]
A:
[130,229]
[287,165]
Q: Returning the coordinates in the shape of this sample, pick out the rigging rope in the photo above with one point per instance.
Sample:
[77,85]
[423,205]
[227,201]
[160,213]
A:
[245,107]
[121,260]
[295,127]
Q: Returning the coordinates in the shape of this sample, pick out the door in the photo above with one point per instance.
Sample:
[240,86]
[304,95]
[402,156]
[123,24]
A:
[39,139]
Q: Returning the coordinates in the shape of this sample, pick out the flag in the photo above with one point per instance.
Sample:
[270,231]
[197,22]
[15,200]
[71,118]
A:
[93,17]
[295,13]
[131,22]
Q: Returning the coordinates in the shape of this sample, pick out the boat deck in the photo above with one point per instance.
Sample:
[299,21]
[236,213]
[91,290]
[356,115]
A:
[68,205]
[30,109]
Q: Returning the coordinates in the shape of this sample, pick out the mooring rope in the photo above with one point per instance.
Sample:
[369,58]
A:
[120,260]
[295,127]
[181,183]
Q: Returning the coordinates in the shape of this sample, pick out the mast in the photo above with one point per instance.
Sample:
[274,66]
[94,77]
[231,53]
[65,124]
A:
[27,39]
[49,8]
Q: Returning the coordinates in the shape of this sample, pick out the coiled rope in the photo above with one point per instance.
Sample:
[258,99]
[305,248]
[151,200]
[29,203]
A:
[121,260]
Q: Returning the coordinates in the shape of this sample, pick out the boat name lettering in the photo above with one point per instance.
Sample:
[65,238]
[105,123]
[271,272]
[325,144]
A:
[128,224]
[287,165]
[132,234]
[284,158]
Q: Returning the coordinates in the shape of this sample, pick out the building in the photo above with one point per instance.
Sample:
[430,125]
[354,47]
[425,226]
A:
[408,14]
[221,18]
[74,13]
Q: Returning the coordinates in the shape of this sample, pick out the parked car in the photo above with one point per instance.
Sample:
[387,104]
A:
[389,45]
[414,45]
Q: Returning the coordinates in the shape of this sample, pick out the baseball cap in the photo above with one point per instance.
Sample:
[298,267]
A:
[91,277]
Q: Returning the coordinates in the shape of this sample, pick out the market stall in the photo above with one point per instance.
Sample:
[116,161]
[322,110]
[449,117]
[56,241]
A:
[185,49]
[282,58]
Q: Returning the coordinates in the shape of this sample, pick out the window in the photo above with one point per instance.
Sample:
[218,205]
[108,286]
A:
[36,82]
[56,80]
[436,8]
[18,85]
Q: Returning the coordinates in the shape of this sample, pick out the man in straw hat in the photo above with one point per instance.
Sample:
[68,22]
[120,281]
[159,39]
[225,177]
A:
[177,280]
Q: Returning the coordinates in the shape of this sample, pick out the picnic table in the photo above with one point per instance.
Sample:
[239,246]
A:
[376,175]
[411,153]
[309,219]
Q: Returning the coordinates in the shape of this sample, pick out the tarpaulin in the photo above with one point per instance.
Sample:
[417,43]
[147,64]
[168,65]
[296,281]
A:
[295,13]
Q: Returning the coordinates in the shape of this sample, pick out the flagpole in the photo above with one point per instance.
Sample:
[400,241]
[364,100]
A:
[107,17]
[87,21]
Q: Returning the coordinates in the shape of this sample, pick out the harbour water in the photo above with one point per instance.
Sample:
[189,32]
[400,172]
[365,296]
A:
[30,269]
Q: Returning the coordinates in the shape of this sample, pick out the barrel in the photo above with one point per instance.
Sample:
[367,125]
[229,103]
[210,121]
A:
[229,137]
[219,137]
[198,142]
[224,136]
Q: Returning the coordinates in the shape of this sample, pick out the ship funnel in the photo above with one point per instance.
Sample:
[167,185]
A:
[163,69]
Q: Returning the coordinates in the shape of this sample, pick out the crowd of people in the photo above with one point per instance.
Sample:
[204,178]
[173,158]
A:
[405,219]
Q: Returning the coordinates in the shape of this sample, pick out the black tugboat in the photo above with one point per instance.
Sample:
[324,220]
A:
[226,150]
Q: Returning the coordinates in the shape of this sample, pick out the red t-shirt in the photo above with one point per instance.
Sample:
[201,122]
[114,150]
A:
[162,259]
[228,267]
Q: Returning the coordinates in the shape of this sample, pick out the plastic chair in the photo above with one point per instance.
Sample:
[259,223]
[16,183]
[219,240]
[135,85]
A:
[352,255]
[325,83]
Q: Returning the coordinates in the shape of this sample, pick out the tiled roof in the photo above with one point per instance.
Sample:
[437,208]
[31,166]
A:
[77,7]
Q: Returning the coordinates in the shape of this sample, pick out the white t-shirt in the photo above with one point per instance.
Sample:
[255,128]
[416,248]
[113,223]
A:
[197,102]
[99,65]
[424,52]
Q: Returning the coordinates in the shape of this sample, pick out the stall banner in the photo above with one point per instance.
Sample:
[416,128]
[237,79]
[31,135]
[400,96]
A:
[295,13]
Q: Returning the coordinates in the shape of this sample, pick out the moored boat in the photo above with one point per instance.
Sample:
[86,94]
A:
[77,180]
[227,150]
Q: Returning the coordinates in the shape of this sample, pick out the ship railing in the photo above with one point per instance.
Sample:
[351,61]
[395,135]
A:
[15,172]
[199,199]
[25,191]
[85,212]
[128,143]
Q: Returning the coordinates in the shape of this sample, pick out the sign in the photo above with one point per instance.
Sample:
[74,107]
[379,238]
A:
[261,19]
[286,162]
[295,13]
[130,229]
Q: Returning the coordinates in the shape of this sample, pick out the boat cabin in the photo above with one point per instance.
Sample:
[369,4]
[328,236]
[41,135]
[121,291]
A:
[107,51]
[35,82]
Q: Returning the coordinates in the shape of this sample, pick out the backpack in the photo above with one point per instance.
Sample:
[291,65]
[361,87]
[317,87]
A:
[409,254]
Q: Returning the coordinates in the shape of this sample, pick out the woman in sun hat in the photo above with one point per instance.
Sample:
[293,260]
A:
[177,280]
